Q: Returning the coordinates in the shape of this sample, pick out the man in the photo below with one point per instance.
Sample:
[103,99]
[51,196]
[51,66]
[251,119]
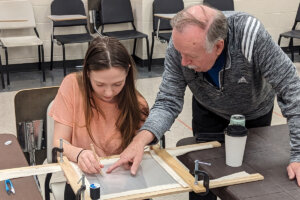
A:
[232,66]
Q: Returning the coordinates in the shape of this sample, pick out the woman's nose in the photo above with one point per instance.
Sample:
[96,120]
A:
[108,92]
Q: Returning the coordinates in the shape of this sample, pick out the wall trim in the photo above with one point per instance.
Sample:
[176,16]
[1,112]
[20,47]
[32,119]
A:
[25,67]
[140,62]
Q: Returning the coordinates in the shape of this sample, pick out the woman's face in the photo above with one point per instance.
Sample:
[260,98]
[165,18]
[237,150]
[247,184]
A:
[108,83]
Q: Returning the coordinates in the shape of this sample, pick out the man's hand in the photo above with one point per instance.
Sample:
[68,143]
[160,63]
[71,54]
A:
[294,171]
[132,156]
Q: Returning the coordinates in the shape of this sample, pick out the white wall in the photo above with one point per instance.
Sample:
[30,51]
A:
[276,15]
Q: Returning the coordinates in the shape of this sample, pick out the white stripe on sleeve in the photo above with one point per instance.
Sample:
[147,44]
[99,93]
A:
[244,35]
[252,41]
[248,37]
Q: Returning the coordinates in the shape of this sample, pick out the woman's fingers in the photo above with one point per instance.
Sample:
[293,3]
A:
[88,163]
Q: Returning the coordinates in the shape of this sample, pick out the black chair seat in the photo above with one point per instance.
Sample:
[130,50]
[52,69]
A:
[293,34]
[78,22]
[74,38]
[165,36]
[125,35]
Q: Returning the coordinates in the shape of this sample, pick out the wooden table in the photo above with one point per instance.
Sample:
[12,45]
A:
[267,152]
[12,156]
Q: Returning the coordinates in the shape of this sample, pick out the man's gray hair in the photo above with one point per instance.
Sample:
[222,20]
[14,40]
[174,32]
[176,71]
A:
[216,31]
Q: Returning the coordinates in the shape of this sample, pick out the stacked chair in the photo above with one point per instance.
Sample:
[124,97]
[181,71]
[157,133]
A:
[118,12]
[292,34]
[68,8]
[164,31]
[17,17]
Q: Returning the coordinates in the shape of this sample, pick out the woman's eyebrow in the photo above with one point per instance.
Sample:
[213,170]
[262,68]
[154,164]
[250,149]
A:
[99,82]
[118,82]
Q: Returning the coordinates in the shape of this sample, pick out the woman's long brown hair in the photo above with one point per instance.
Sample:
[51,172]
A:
[104,53]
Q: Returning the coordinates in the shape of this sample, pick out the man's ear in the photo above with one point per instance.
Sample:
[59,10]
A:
[219,46]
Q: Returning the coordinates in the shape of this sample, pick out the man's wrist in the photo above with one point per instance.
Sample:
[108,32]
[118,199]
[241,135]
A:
[144,137]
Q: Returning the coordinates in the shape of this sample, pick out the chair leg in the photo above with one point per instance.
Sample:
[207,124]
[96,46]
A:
[39,50]
[6,66]
[2,74]
[292,48]
[64,58]
[43,63]
[279,40]
[134,47]
[149,62]
[51,56]
[133,52]
[152,47]
[47,186]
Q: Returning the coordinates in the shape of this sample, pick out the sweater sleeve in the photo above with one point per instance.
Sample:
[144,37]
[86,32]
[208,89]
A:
[281,73]
[170,98]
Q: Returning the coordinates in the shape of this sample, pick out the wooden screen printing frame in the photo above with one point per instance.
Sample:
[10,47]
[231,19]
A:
[72,176]
[175,165]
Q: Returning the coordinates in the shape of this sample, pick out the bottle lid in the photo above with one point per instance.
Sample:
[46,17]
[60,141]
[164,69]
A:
[95,191]
[236,131]
[237,120]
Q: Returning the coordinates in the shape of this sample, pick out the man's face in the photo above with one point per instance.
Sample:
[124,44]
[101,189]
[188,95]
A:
[191,43]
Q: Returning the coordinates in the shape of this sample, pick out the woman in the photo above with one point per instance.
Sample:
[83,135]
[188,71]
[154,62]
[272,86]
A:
[98,106]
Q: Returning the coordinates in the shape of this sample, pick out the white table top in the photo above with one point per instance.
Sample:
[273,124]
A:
[13,20]
[166,16]
[66,17]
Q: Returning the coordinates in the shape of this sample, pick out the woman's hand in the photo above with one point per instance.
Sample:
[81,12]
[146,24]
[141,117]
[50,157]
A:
[88,163]
[85,158]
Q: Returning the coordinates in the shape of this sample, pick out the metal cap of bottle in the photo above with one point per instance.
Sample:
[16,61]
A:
[237,120]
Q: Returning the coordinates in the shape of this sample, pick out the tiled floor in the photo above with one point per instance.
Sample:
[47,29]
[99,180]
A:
[147,84]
